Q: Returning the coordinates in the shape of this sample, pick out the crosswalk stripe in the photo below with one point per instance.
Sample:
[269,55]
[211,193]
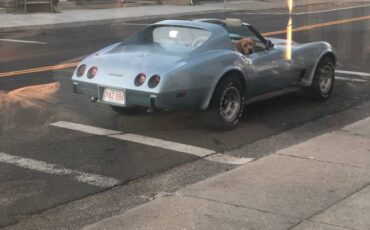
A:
[155,142]
[350,79]
[85,128]
[21,41]
[178,147]
[361,74]
[41,166]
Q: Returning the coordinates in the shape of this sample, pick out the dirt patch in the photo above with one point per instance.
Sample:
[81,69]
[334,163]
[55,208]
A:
[27,106]
[30,96]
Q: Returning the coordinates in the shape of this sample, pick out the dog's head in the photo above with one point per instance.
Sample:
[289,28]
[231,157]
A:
[245,46]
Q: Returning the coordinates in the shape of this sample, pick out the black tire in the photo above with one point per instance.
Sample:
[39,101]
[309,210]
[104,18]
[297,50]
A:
[324,72]
[224,114]
[125,110]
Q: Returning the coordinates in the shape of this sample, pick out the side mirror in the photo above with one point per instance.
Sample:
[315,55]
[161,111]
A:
[269,44]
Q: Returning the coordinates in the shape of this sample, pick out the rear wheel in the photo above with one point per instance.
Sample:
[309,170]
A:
[227,104]
[323,80]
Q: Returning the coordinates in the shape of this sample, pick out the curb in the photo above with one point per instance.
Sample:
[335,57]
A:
[127,19]
[130,19]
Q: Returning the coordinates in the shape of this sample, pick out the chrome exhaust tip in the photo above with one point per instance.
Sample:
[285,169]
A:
[94,99]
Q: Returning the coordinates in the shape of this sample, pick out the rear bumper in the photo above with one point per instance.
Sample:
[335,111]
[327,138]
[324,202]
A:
[133,98]
[190,100]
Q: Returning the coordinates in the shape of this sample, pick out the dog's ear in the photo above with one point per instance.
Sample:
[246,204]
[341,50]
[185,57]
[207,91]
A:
[253,42]
[238,46]
[245,42]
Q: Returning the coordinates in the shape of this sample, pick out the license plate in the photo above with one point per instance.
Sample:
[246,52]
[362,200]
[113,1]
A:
[114,96]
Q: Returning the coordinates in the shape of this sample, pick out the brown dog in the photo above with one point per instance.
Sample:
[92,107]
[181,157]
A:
[245,46]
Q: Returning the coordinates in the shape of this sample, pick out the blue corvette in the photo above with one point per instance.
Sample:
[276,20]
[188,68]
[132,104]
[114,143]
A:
[194,65]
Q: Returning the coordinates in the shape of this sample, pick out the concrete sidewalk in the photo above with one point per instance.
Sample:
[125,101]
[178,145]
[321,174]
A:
[79,17]
[322,183]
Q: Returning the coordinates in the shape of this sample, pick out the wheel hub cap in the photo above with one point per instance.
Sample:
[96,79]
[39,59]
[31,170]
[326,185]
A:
[230,104]
[326,79]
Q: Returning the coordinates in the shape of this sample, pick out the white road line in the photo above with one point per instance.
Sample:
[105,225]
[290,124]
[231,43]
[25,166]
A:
[178,147]
[174,146]
[361,74]
[155,142]
[41,166]
[85,128]
[22,41]
[351,79]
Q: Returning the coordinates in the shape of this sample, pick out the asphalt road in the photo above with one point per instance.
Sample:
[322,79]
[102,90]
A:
[26,115]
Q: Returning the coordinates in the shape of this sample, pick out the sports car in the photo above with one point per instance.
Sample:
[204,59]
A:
[194,65]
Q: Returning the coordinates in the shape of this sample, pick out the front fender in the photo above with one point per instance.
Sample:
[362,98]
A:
[324,49]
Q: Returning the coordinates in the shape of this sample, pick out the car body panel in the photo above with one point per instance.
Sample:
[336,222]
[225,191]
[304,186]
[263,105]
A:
[188,79]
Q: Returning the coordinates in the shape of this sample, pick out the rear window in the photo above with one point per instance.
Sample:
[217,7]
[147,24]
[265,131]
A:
[181,39]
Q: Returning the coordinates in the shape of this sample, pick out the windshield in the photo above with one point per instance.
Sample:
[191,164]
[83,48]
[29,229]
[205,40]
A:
[180,39]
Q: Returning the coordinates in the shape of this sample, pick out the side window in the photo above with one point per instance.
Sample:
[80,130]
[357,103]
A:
[237,33]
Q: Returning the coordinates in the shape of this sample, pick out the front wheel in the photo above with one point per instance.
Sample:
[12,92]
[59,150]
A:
[227,104]
[323,80]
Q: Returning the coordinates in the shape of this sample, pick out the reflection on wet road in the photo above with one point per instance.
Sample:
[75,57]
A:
[28,107]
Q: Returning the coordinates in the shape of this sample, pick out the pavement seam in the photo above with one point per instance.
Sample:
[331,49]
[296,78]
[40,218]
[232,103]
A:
[335,225]
[350,133]
[332,205]
[239,206]
[323,161]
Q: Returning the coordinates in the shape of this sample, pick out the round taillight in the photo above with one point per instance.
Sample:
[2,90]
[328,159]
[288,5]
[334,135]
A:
[140,79]
[92,72]
[154,81]
[80,70]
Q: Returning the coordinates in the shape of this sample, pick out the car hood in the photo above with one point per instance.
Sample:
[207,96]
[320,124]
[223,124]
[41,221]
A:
[123,63]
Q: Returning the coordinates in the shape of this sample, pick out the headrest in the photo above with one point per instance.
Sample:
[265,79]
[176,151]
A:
[233,22]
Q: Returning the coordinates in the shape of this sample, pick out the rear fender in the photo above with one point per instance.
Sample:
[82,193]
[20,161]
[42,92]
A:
[226,72]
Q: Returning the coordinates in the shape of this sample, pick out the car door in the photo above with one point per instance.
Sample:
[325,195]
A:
[267,72]
[267,68]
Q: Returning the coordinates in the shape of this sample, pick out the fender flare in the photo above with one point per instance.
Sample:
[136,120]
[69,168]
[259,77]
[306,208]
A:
[307,80]
[227,72]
